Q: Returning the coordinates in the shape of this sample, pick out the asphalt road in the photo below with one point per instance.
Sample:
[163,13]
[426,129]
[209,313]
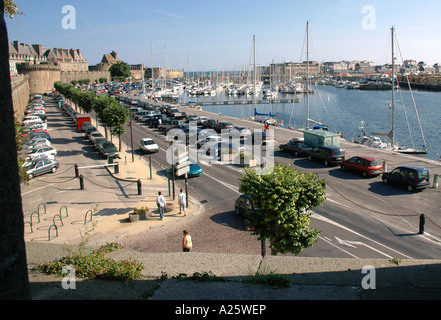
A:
[362,218]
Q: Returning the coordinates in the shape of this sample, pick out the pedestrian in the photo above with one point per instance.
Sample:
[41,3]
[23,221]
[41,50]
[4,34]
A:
[187,245]
[160,202]
[182,202]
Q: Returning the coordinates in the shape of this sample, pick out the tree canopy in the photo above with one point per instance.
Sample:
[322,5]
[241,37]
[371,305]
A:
[120,70]
[285,197]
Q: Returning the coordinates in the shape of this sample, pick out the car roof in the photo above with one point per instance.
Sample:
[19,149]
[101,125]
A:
[368,158]
[413,167]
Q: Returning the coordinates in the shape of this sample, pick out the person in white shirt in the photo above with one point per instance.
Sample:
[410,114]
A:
[182,202]
[160,202]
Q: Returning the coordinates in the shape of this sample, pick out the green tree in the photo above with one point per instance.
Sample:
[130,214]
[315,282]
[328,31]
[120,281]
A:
[120,69]
[285,197]
[115,116]
[86,101]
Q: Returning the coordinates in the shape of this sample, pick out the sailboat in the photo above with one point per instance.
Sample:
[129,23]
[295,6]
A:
[391,135]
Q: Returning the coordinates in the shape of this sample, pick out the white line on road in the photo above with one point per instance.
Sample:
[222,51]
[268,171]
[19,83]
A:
[319,217]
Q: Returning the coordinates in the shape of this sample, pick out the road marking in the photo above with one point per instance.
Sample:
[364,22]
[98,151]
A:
[353,244]
[319,217]
[229,186]
[339,248]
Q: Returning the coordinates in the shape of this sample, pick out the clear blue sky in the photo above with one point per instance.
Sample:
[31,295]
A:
[218,34]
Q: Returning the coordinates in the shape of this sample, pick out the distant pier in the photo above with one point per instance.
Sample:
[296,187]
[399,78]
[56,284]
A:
[240,102]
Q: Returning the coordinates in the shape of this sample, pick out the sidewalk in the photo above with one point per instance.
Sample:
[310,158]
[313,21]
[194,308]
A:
[118,225]
[109,203]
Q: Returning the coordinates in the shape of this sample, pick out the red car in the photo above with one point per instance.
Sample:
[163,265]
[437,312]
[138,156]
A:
[364,165]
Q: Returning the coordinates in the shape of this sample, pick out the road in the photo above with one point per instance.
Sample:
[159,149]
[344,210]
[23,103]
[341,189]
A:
[361,218]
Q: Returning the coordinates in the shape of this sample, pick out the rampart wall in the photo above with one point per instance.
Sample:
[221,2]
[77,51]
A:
[20,95]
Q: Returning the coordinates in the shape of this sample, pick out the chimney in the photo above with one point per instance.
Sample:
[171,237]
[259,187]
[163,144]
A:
[16,46]
[114,55]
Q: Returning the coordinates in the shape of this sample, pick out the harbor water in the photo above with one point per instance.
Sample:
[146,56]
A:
[344,110]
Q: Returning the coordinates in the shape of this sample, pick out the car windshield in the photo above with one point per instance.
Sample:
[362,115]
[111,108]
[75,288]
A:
[148,142]
[29,165]
[423,174]
[108,145]
[375,163]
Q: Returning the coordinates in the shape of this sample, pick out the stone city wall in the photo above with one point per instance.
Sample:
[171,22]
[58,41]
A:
[93,76]
[20,95]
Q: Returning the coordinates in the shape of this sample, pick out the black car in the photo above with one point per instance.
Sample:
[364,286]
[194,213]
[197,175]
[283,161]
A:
[296,146]
[328,155]
[209,124]
[108,149]
[246,207]
[412,177]
[218,127]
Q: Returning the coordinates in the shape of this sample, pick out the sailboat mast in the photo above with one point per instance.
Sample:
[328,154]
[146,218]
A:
[254,71]
[307,75]
[392,136]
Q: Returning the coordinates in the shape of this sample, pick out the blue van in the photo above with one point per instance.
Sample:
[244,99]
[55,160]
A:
[412,177]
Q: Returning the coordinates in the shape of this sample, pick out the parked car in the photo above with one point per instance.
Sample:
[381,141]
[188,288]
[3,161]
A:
[98,141]
[296,146]
[412,177]
[218,127]
[209,124]
[364,165]
[240,131]
[148,145]
[246,207]
[209,139]
[201,120]
[38,167]
[89,130]
[108,149]
[328,155]
[36,142]
[39,134]
[95,134]
[47,150]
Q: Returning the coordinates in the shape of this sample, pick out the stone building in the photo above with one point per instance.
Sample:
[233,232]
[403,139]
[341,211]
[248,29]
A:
[66,59]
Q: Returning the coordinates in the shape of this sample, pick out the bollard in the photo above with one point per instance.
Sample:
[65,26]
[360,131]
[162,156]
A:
[116,167]
[81,182]
[150,167]
[435,181]
[422,223]
[139,187]
[76,171]
[384,166]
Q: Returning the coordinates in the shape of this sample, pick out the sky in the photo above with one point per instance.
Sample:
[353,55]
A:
[203,35]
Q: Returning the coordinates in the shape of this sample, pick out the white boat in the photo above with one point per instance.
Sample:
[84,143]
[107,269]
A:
[393,146]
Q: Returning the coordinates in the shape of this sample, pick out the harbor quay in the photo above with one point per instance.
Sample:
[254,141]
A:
[312,278]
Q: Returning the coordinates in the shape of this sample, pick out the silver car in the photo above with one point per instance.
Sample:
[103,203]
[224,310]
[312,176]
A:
[38,167]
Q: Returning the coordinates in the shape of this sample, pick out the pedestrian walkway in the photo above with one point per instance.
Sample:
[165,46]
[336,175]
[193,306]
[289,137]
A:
[59,207]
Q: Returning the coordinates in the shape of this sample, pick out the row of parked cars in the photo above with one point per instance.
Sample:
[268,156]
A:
[410,176]
[37,150]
